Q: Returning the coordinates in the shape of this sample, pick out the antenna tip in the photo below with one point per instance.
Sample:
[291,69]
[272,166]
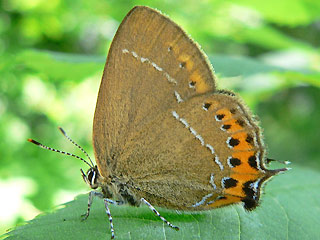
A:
[62,131]
[33,141]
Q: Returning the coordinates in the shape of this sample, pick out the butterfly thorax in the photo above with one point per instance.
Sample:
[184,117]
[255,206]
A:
[111,187]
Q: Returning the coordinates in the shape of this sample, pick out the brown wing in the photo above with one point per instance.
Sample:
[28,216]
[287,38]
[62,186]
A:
[203,153]
[151,66]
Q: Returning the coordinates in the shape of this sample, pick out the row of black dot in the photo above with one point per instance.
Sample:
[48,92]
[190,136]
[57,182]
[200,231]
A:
[252,160]
[228,126]
[235,142]
[250,200]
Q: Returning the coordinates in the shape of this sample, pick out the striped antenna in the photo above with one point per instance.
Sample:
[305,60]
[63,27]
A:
[58,151]
[74,143]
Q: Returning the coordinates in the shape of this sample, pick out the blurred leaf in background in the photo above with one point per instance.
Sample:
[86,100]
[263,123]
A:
[52,58]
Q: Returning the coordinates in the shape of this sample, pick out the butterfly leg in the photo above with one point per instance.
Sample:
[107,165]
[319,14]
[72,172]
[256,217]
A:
[90,199]
[93,194]
[158,214]
[106,201]
[114,202]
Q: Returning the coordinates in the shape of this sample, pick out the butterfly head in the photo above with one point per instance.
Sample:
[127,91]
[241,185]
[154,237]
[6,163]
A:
[91,177]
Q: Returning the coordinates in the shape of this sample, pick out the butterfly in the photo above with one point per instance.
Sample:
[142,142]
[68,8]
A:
[163,134]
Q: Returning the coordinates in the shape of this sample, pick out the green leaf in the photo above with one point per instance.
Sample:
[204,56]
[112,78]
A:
[71,67]
[301,12]
[289,209]
[241,66]
[256,80]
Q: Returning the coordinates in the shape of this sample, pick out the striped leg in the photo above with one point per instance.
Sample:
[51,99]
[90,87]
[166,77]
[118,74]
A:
[106,201]
[114,202]
[90,199]
[93,194]
[158,214]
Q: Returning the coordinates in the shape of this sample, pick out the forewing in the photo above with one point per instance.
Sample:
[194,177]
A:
[152,66]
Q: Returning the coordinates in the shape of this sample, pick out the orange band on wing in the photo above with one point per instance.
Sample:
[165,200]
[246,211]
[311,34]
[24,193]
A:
[225,200]
[244,166]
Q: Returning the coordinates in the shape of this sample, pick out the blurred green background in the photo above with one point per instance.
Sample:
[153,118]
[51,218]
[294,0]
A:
[52,58]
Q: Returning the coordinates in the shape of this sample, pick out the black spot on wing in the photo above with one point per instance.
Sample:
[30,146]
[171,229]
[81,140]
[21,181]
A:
[230,182]
[235,162]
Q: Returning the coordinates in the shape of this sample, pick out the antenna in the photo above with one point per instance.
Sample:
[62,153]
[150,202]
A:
[58,151]
[74,143]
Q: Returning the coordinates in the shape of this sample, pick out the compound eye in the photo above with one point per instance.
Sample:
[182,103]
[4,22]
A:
[92,178]
[90,175]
